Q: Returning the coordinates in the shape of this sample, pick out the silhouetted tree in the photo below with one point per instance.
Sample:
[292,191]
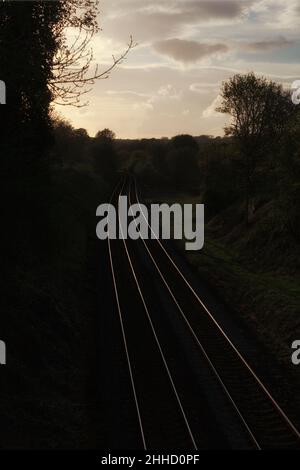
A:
[104,154]
[71,145]
[39,66]
[106,135]
[27,48]
[184,141]
[182,161]
[260,111]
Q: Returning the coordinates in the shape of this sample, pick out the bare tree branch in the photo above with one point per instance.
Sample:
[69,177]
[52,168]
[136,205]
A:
[72,74]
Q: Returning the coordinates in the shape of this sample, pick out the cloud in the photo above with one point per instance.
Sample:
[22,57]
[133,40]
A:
[276,14]
[145,106]
[161,18]
[211,9]
[127,92]
[188,51]
[165,94]
[203,9]
[202,88]
[168,91]
[268,45]
[210,111]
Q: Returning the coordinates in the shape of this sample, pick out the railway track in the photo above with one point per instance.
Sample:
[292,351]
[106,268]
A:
[161,416]
[164,323]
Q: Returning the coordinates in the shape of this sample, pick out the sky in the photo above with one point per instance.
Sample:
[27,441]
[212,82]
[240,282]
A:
[170,82]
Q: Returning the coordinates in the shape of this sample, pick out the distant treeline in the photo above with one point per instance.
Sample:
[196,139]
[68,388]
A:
[213,168]
[174,162]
